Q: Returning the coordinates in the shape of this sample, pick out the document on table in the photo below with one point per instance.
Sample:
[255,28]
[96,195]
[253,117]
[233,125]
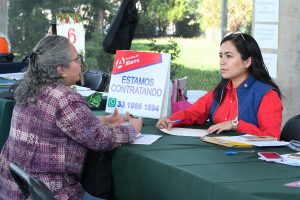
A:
[185,132]
[243,139]
[13,76]
[146,139]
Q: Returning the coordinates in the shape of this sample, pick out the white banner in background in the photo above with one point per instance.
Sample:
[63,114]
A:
[140,84]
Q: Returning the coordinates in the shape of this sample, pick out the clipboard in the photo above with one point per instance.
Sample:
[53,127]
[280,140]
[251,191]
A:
[222,142]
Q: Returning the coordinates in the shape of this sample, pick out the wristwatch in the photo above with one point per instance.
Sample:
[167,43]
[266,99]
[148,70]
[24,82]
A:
[234,124]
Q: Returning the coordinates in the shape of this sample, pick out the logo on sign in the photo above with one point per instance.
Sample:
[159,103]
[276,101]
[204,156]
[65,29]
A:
[120,63]
[112,102]
[123,62]
[131,60]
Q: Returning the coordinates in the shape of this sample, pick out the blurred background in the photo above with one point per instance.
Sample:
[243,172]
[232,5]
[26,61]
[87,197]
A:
[190,30]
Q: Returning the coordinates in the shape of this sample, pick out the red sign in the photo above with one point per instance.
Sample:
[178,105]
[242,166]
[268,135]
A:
[130,60]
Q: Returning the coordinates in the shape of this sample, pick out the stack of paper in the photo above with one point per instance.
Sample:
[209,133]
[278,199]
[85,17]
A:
[13,76]
[185,132]
[255,142]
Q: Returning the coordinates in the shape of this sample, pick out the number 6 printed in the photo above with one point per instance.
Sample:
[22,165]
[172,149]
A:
[72,35]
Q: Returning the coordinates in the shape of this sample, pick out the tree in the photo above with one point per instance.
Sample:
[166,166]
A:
[187,23]
[160,11]
[211,14]
[163,12]
[239,15]
[29,21]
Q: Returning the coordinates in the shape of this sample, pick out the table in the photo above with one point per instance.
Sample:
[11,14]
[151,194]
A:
[186,168]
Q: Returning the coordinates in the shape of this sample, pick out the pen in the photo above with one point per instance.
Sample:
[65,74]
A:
[131,115]
[177,120]
[236,152]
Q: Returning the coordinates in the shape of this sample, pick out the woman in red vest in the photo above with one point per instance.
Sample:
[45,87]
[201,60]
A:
[246,99]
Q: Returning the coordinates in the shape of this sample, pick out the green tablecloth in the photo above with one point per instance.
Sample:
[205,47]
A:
[186,168]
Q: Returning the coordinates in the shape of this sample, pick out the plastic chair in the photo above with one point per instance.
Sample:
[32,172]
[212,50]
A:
[183,82]
[96,80]
[31,188]
[291,129]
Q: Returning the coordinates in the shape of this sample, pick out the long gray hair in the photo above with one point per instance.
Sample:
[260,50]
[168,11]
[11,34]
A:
[51,51]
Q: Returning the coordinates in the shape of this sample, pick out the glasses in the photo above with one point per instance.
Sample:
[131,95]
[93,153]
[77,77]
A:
[79,58]
[235,35]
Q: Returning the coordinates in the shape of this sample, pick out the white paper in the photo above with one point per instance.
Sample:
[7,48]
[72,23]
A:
[81,88]
[270,60]
[13,76]
[186,132]
[85,93]
[266,10]
[255,143]
[146,139]
[266,35]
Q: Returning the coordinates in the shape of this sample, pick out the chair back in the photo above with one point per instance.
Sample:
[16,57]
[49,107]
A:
[291,129]
[31,188]
[96,80]
[183,82]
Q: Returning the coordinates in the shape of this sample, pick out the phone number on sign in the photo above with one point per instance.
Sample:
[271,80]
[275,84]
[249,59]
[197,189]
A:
[137,106]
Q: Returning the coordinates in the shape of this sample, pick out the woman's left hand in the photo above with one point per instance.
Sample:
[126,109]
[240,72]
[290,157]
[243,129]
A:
[218,128]
[112,120]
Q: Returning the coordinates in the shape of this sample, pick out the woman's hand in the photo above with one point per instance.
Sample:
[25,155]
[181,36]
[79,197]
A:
[112,120]
[164,123]
[136,122]
[218,128]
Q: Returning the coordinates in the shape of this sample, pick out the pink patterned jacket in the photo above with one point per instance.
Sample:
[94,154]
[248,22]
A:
[49,140]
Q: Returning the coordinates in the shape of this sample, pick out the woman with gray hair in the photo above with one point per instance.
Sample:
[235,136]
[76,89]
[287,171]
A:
[52,126]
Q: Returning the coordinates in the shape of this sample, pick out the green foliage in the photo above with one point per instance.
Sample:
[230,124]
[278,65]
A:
[30,20]
[28,24]
[187,29]
[156,15]
[211,14]
[96,58]
[198,60]
[199,79]
[239,15]
[146,26]
[171,48]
